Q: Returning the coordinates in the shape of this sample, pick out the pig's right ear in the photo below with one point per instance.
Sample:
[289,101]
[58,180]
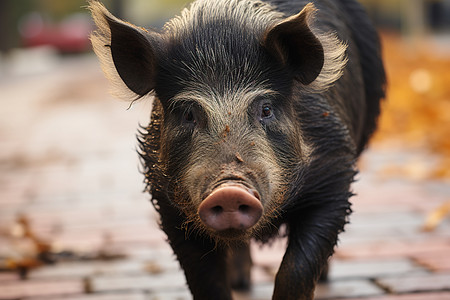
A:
[292,42]
[316,59]
[126,52]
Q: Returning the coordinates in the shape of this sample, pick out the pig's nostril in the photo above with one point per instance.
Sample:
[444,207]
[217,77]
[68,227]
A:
[255,193]
[244,209]
[217,209]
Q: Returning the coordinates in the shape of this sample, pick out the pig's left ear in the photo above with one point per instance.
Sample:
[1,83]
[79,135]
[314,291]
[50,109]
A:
[315,59]
[127,53]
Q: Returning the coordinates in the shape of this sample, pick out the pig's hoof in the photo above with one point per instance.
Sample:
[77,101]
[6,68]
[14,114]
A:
[231,207]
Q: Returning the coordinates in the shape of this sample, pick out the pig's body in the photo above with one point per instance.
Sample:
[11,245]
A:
[259,116]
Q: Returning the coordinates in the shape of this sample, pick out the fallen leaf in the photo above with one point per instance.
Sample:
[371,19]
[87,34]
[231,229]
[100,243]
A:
[436,217]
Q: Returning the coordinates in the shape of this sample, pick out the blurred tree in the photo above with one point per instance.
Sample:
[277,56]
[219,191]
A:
[153,13]
[4,32]
[414,18]
[117,8]
[58,9]
[10,13]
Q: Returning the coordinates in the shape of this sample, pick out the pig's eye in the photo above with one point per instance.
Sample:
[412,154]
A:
[266,111]
[189,117]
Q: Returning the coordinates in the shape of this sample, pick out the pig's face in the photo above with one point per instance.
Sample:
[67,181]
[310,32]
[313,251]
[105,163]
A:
[229,156]
[230,138]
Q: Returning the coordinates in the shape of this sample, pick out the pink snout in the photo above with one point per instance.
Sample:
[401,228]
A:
[230,207]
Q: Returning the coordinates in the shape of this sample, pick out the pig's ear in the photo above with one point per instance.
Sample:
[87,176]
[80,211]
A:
[126,52]
[316,59]
[292,42]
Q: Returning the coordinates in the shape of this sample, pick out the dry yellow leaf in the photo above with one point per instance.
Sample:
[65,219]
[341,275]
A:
[436,217]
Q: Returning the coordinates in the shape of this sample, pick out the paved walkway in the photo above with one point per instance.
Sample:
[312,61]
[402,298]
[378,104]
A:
[68,166]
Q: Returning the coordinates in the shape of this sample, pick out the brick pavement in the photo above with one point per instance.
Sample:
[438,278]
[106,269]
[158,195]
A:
[68,164]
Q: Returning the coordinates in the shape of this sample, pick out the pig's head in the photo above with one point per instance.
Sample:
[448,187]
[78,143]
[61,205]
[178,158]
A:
[227,140]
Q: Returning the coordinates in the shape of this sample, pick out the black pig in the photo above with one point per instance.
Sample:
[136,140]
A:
[261,109]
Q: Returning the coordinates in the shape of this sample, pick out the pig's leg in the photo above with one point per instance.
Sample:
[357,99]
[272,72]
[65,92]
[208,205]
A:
[205,269]
[324,274]
[240,264]
[312,238]
[204,263]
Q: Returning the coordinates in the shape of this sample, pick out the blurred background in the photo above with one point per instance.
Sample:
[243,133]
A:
[72,209]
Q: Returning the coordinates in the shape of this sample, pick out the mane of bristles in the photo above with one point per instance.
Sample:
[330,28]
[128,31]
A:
[255,14]
[101,43]
[261,16]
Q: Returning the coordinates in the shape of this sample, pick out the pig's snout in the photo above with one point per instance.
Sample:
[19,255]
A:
[231,207]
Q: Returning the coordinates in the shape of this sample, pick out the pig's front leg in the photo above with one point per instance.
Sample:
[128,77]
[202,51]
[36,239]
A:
[205,269]
[240,264]
[312,238]
[204,262]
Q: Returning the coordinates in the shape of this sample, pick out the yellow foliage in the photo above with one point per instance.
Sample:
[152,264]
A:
[417,109]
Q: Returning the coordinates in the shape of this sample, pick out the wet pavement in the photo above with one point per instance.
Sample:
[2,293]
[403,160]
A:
[68,166]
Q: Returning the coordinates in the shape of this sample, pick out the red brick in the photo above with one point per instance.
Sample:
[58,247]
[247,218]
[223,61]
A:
[415,296]
[12,198]
[171,295]
[20,289]
[394,248]
[50,222]
[373,268]
[83,269]
[258,292]
[396,195]
[106,296]
[14,182]
[416,283]
[159,282]
[144,232]
[82,242]
[8,276]
[148,251]
[438,261]
[347,288]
